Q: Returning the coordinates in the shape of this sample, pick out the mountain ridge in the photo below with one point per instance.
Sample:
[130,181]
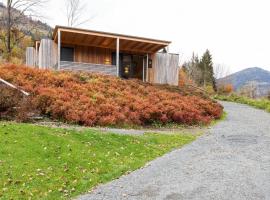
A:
[255,76]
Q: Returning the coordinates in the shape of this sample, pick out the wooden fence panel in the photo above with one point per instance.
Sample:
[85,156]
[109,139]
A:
[47,54]
[30,57]
[166,68]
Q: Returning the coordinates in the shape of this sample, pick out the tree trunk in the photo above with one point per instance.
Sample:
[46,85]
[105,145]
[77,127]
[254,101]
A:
[8,30]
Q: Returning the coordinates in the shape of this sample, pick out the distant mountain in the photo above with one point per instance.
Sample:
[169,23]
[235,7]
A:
[251,77]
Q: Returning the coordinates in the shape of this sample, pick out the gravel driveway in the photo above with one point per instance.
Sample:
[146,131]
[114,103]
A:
[231,161]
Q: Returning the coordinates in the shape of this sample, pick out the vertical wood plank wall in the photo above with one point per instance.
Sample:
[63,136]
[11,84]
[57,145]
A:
[90,54]
[47,54]
[166,68]
[30,56]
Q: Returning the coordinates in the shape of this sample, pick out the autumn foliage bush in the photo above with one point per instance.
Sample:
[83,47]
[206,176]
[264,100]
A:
[225,89]
[183,78]
[94,99]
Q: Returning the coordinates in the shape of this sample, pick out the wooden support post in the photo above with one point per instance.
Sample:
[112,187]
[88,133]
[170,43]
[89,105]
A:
[117,55]
[147,63]
[59,49]
[143,68]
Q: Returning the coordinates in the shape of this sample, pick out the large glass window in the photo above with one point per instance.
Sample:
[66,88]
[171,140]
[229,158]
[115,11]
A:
[67,54]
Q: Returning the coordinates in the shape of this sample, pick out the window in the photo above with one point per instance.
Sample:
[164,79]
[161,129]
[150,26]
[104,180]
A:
[67,54]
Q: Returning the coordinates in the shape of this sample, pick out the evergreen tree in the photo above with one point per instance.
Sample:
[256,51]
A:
[201,71]
[207,71]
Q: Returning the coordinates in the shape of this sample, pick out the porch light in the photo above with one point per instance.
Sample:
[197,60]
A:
[107,61]
[150,63]
[126,69]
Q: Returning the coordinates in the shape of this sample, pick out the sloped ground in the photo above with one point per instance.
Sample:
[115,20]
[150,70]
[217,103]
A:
[53,163]
[232,162]
[99,100]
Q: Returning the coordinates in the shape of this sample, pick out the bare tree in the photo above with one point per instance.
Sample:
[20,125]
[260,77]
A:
[221,71]
[249,90]
[75,11]
[192,69]
[268,95]
[14,18]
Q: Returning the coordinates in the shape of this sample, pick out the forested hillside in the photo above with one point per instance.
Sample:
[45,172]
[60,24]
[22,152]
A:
[17,31]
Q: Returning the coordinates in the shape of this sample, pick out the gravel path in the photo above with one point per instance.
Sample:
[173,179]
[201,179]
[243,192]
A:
[231,162]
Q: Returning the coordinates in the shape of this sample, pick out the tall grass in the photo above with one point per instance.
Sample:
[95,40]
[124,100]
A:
[257,103]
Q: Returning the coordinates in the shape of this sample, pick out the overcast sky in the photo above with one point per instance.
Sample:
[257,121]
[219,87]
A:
[237,32]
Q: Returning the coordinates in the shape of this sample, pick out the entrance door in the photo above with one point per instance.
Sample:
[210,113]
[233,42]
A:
[126,66]
[130,66]
[125,62]
[137,67]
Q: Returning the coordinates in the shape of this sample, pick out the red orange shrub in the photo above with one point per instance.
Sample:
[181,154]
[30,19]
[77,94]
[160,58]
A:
[91,99]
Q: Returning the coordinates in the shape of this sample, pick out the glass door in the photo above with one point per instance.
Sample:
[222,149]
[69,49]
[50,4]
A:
[126,66]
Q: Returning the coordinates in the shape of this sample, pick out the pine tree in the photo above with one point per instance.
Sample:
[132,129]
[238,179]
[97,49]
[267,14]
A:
[206,67]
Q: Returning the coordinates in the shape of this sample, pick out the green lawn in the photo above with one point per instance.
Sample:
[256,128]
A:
[52,163]
[263,104]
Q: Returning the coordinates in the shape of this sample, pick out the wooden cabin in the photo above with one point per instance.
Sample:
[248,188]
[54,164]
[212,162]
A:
[114,54]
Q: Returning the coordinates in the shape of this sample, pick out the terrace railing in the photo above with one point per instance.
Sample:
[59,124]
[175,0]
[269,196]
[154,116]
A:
[89,67]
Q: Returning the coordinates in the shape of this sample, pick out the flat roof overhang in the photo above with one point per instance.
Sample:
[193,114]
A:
[83,37]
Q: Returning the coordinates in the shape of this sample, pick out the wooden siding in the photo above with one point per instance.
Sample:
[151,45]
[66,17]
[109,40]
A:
[86,54]
[166,68]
